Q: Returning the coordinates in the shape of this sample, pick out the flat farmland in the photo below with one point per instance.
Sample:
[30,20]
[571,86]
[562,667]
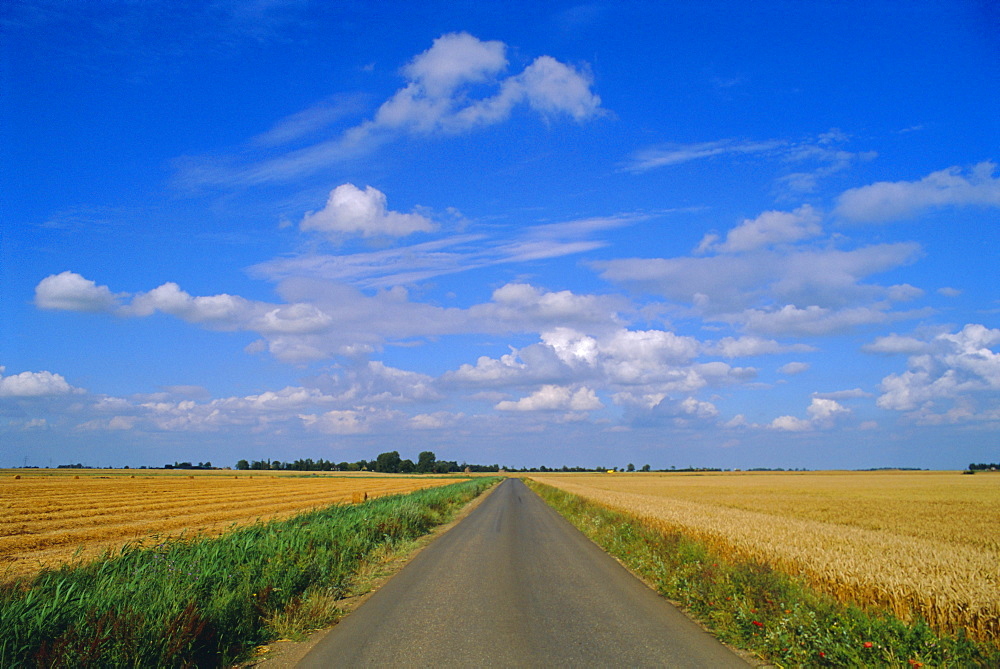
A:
[48,517]
[921,544]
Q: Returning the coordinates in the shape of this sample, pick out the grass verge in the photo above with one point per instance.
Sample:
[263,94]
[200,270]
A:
[210,601]
[765,612]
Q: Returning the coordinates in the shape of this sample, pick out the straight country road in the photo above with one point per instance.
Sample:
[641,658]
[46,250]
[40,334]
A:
[515,585]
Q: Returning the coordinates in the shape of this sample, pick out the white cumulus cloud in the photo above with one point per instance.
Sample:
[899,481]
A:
[34,384]
[945,376]
[323,319]
[792,368]
[437,96]
[895,343]
[338,421]
[350,210]
[68,291]
[776,275]
[434,421]
[554,398]
[643,370]
[516,305]
[749,345]
[223,310]
[823,412]
[455,59]
[791,424]
[768,229]
[555,88]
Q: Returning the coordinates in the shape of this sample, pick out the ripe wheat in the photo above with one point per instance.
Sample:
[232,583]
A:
[913,544]
[46,519]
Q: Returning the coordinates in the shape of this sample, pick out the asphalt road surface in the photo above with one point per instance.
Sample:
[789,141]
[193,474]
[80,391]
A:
[515,585]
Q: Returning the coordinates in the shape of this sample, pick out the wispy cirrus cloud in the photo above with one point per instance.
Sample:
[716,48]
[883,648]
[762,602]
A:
[894,200]
[404,265]
[664,155]
[798,275]
[310,121]
[822,156]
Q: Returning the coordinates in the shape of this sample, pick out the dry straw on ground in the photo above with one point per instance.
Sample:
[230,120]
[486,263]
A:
[47,517]
[922,543]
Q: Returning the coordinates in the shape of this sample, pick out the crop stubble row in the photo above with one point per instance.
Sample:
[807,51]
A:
[935,558]
[45,521]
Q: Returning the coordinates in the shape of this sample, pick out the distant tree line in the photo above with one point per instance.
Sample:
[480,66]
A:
[188,465]
[542,469]
[391,462]
[983,467]
[388,463]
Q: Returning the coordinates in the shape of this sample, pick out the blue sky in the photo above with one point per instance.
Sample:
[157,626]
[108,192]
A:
[713,234]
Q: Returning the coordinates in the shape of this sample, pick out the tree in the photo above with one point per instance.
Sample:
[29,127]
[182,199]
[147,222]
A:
[242,464]
[388,462]
[445,466]
[645,468]
[406,466]
[425,461]
[630,467]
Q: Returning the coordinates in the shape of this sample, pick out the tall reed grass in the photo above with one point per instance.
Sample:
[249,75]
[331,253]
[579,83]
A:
[206,601]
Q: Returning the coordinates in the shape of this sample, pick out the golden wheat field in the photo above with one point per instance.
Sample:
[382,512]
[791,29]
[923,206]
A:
[47,516]
[916,543]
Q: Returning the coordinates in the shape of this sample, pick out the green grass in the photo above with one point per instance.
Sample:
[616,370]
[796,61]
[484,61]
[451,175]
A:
[210,601]
[755,608]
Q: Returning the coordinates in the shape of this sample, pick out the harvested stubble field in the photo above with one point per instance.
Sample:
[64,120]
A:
[48,517]
[921,544]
